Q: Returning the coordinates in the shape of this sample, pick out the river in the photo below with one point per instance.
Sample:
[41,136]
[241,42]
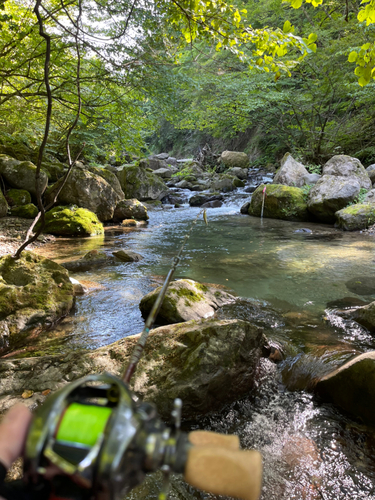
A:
[298,278]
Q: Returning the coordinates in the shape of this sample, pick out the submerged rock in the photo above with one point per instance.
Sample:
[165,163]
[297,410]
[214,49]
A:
[361,285]
[70,221]
[281,202]
[206,363]
[352,387]
[355,217]
[185,300]
[33,291]
[92,260]
[291,172]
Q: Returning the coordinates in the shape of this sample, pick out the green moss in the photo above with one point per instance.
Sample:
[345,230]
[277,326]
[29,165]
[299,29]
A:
[28,211]
[281,202]
[187,294]
[201,287]
[71,221]
[17,197]
[32,284]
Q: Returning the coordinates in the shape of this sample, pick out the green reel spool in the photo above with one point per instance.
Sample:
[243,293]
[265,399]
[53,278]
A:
[82,424]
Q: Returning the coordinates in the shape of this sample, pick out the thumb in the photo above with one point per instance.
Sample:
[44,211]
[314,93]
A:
[13,430]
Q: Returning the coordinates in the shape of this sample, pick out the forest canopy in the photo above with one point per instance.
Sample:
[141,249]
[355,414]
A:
[135,76]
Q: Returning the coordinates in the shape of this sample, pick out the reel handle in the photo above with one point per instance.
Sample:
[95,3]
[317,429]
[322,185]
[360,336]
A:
[225,471]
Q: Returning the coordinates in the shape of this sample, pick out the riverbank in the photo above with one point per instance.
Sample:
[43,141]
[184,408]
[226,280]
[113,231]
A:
[12,234]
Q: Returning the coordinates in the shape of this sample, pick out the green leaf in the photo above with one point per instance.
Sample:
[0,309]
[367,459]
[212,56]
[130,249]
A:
[353,56]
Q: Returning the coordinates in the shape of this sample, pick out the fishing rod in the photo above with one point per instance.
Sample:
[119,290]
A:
[95,440]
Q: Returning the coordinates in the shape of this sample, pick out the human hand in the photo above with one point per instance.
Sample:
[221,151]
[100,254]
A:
[13,430]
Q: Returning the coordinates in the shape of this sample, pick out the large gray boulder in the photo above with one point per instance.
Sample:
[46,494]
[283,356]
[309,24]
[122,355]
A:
[352,387]
[370,197]
[206,363]
[164,173]
[280,202]
[88,190]
[130,209]
[346,166]
[3,205]
[137,182]
[21,174]
[371,172]
[185,300]
[225,183]
[153,162]
[33,291]
[234,159]
[291,172]
[355,217]
[330,194]
[111,178]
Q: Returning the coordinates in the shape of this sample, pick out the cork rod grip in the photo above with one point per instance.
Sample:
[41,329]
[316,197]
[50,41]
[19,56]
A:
[207,438]
[224,471]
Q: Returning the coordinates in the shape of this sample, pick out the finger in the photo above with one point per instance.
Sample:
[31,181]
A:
[13,430]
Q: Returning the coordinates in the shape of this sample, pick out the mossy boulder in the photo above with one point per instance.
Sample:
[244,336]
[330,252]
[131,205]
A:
[234,159]
[54,170]
[21,174]
[88,190]
[281,202]
[185,300]
[330,194]
[352,387]
[130,209]
[33,291]
[29,211]
[16,149]
[137,182]
[355,217]
[72,221]
[18,197]
[3,205]
[207,363]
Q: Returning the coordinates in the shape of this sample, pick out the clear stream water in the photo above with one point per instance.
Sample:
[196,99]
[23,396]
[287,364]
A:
[298,279]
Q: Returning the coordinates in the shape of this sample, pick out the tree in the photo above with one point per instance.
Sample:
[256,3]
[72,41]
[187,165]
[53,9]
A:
[364,55]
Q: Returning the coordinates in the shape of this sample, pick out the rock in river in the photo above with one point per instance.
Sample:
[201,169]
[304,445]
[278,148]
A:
[185,300]
[33,291]
[206,363]
[72,221]
[352,387]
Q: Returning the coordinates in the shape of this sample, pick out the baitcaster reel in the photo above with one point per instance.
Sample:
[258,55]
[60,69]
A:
[93,441]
